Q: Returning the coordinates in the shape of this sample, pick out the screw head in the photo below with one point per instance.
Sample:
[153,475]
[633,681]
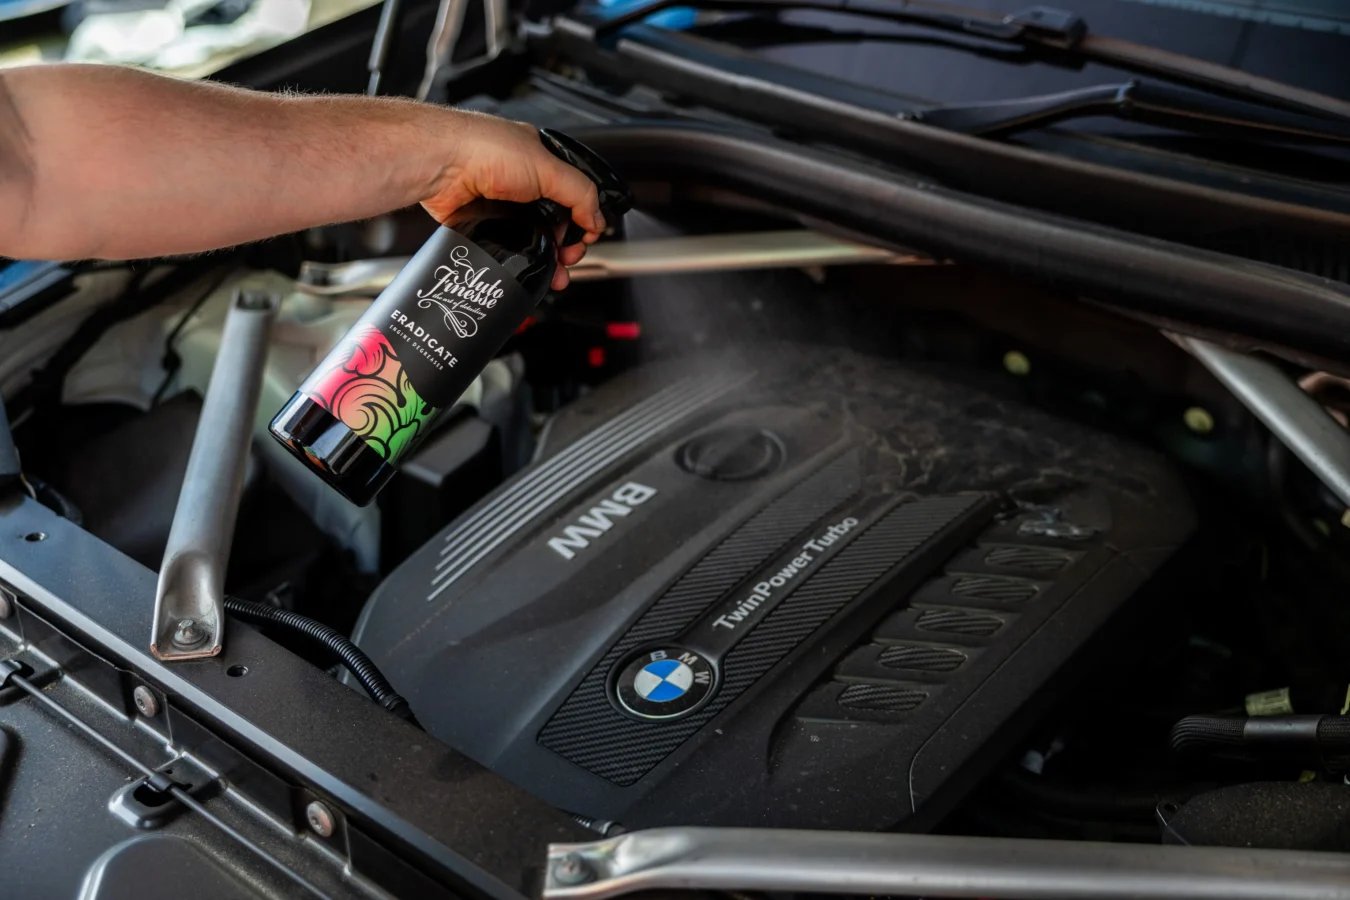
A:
[7,601]
[572,869]
[320,819]
[1016,362]
[1199,420]
[145,701]
[188,633]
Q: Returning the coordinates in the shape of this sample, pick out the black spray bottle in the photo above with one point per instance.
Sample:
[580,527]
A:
[432,331]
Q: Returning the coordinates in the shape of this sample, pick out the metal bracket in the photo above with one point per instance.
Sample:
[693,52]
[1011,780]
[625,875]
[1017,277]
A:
[379,48]
[1292,415]
[190,600]
[445,35]
[917,865]
[796,248]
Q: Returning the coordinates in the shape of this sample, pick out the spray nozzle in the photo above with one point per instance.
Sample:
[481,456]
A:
[615,197]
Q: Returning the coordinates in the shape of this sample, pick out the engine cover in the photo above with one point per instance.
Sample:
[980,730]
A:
[800,588]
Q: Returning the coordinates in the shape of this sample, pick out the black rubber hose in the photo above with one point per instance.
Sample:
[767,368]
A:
[1155,277]
[54,500]
[1315,741]
[363,669]
[1207,733]
[1333,734]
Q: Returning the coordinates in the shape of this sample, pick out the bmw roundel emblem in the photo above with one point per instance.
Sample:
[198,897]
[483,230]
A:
[663,684]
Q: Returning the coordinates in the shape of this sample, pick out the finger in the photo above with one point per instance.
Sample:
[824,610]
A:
[591,237]
[560,279]
[567,186]
[570,256]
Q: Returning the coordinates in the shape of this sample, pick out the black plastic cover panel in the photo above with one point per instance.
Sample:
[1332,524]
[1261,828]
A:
[798,588]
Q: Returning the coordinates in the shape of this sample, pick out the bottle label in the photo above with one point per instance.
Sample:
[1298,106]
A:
[423,340]
[469,291]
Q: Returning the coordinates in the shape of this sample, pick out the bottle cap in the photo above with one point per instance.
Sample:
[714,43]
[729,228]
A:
[615,197]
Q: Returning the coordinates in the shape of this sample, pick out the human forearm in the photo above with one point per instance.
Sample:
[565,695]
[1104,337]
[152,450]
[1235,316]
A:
[124,164]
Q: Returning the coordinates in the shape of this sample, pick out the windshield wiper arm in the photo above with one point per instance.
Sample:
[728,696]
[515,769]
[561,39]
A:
[1152,104]
[1038,27]
[1041,25]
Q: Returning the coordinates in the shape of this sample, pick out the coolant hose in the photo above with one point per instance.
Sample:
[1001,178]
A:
[363,669]
[1315,741]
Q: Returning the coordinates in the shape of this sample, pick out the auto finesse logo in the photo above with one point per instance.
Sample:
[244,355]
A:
[462,293]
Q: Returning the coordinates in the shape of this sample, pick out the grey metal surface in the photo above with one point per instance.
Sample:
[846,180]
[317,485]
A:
[660,256]
[179,868]
[362,276]
[179,794]
[834,862]
[445,34]
[1297,419]
[64,834]
[495,23]
[379,48]
[406,791]
[725,252]
[189,600]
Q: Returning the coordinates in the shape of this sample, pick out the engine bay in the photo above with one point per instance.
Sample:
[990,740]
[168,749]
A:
[690,607]
[873,541]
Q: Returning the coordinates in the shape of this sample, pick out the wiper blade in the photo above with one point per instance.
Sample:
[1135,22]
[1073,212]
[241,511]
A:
[1152,104]
[1053,31]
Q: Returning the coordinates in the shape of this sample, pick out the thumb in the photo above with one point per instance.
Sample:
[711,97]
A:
[568,187]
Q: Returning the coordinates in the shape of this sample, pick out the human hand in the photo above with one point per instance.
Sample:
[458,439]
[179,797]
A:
[498,159]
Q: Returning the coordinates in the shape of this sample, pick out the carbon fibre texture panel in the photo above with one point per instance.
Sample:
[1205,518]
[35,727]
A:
[598,738]
[744,550]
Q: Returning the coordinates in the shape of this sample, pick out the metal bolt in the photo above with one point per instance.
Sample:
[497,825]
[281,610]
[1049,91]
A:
[320,819]
[7,599]
[1198,420]
[145,701]
[188,633]
[572,869]
[1016,363]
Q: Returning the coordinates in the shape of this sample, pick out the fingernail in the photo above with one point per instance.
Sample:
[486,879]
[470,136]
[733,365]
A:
[600,222]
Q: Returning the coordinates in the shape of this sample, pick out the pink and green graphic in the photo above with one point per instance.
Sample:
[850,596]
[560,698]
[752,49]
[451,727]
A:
[366,387]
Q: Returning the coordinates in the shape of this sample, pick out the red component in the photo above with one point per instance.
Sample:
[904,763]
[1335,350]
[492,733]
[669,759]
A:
[623,331]
[596,357]
[529,320]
